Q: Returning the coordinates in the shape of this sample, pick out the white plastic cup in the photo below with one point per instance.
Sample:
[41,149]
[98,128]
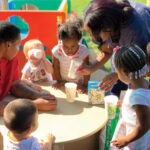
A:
[74,65]
[71,89]
[37,53]
[110,106]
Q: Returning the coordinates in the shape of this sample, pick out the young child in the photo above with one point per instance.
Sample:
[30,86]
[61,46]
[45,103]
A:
[38,68]
[21,119]
[77,20]
[133,129]
[67,50]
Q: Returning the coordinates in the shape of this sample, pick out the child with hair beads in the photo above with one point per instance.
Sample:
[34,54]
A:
[68,49]
[38,68]
[21,119]
[133,129]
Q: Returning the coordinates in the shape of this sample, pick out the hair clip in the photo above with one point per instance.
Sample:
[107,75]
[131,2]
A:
[116,48]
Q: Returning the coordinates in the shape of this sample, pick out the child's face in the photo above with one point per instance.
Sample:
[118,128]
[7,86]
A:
[70,46]
[12,49]
[31,58]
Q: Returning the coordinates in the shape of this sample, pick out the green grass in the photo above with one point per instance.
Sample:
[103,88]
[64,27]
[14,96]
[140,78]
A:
[78,6]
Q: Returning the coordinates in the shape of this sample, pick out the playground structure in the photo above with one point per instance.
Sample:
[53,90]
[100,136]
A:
[45,30]
[47,5]
[36,24]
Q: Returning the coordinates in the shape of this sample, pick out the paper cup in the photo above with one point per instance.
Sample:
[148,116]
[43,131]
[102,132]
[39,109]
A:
[71,89]
[110,105]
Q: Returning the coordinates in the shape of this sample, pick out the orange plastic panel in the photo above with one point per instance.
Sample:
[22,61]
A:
[42,26]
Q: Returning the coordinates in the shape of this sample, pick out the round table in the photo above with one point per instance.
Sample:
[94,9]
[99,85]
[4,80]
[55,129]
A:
[70,121]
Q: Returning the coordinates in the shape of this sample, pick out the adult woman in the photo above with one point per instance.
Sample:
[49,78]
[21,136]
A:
[115,23]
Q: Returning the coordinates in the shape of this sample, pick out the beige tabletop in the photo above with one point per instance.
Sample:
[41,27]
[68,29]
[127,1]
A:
[70,121]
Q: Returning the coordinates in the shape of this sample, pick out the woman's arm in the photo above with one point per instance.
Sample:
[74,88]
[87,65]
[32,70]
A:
[102,58]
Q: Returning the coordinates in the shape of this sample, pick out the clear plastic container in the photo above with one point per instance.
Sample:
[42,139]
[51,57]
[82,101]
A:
[75,64]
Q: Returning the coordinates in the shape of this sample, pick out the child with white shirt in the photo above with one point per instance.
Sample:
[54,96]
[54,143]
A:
[133,129]
[21,119]
[38,68]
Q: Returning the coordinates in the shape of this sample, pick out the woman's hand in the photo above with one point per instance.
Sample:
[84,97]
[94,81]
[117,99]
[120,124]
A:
[84,70]
[107,83]
[120,142]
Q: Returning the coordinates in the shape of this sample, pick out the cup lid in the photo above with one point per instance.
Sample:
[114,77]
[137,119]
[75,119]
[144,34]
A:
[111,99]
[70,85]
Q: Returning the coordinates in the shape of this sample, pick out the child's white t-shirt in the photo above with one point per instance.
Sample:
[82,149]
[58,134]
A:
[30,143]
[36,73]
[65,60]
[128,121]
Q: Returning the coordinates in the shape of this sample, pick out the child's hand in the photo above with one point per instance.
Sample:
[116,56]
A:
[58,85]
[120,142]
[81,89]
[49,140]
